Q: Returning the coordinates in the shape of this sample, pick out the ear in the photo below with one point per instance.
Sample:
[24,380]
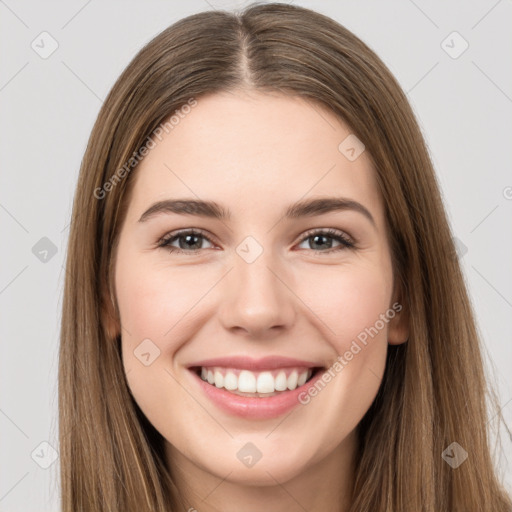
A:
[398,327]
[109,317]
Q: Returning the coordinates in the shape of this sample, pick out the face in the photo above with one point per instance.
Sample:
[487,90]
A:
[256,300]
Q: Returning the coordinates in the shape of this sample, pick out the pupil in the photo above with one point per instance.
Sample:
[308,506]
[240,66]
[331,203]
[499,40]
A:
[315,237]
[188,239]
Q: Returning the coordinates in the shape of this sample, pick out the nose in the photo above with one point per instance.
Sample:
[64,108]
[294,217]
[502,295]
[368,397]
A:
[256,299]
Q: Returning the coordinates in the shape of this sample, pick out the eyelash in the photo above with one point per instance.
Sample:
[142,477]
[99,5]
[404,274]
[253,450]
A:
[339,236]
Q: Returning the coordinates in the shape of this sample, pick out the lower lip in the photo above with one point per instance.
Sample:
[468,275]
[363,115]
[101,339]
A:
[253,407]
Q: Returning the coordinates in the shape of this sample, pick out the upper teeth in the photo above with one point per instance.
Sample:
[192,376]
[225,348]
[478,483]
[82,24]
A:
[256,382]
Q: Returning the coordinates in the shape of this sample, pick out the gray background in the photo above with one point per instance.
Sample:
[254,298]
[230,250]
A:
[464,106]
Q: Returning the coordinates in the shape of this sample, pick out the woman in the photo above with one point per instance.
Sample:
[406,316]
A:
[214,356]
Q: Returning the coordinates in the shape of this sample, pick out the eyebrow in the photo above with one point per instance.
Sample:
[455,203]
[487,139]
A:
[211,209]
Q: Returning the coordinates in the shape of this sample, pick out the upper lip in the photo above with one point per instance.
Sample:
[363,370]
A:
[248,363]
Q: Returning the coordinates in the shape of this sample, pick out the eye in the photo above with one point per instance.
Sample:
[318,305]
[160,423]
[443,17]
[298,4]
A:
[320,237]
[189,241]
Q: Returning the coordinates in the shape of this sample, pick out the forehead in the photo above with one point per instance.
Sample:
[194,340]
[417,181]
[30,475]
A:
[251,150]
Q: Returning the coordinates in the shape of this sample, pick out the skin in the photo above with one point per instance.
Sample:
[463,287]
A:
[256,154]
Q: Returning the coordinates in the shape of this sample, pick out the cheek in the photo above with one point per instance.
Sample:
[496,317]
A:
[155,311]
[155,302]
[350,301]
[353,307]
[353,304]
[161,308]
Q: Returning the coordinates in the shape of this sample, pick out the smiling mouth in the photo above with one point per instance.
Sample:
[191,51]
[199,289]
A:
[259,384]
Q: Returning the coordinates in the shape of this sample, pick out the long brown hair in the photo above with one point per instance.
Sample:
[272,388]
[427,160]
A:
[434,389]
